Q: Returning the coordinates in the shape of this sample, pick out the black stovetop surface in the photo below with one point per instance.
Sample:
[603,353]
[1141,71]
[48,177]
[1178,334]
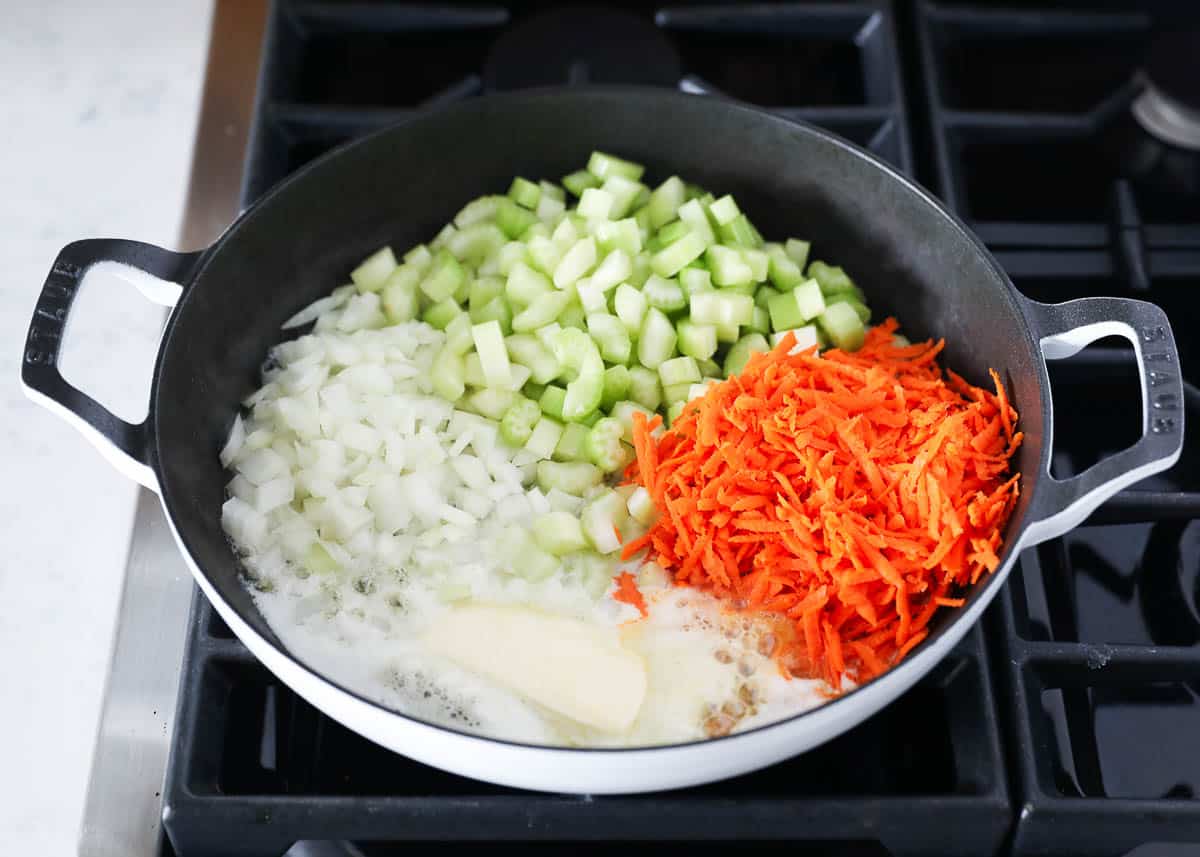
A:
[1068,723]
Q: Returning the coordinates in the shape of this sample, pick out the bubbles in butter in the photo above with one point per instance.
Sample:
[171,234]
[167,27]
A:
[708,671]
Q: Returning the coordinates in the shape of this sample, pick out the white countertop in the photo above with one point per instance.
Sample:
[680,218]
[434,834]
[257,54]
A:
[95,141]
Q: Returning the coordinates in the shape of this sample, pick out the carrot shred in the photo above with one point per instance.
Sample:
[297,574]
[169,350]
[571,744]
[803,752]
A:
[851,494]
[627,592]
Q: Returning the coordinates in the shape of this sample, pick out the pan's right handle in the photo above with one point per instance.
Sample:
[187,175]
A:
[157,274]
[1063,330]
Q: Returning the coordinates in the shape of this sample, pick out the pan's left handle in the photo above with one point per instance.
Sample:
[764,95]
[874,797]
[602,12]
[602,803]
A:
[1066,328]
[157,273]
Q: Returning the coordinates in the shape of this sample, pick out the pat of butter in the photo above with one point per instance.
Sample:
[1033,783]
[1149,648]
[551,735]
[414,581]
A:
[573,668]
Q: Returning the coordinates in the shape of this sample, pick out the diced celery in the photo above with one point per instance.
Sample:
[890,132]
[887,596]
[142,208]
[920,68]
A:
[419,257]
[497,309]
[565,234]
[603,446]
[595,203]
[571,445]
[782,269]
[551,190]
[798,251]
[710,368]
[728,267]
[785,312]
[740,353]
[758,262]
[641,270]
[670,261]
[374,271]
[664,294]
[697,340]
[724,210]
[544,438]
[809,299]
[590,298]
[611,336]
[679,370]
[559,533]
[533,390]
[738,232]
[864,312]
[579,181]
[671,233]
[841,323]
[526,350]
[570,477]
[549,210]
[524,193]
[439,240]
[692,213]
[483,290]
[399,299]
[665,201]
[512,219]
[552,401]
[458,334]
[763,294]
[624,411]
[656,339]
[630,306]
[524,285]
[721,308]
[573,315]
[463,293]
[728,333]
[624,191]
[619,235]
[476,211]
[760,322]
[489,344]
[544,253]
[617,382]
[644,388]
[448,375]
[675,393]
[603,165]
[543,310]
[613,271]
[516,426]
[440,314]
[641,507]
[576,262]
[444,277]
[476,242]
[831,277]
[601,520]
[574,349]
[490,403]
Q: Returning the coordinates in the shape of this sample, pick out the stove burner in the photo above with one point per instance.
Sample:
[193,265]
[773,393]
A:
[581,45]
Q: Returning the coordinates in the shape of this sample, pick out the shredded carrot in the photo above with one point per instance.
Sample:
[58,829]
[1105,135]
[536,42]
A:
[853,494]
[627,591]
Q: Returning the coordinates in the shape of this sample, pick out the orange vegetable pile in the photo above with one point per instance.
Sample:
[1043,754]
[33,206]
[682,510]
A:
[852,493]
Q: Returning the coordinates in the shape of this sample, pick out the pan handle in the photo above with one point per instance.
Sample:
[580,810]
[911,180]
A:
[1063,330]
[156,273]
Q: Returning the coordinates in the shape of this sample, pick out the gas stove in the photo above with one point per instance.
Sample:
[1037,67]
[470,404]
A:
[1068,723]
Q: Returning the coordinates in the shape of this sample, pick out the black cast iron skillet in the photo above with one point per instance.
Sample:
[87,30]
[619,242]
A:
[398,186]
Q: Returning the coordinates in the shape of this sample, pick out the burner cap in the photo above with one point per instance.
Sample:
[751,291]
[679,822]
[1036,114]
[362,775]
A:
[1169,108]
[580,45]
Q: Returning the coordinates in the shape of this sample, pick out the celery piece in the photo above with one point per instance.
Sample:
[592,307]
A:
[783,271]
[447,374]
[806,337]
[721,308]
[603,165]
[610,335]
[559,533]
[458,334]
[664,294]
[483,290]
[570,477]
[419,257]
[551,190]
[644,388]
[552,401]
[809,299]
[543,310]
[630,306]
[670,261]
[831,277]
[576,262]
[512,219]
[763,294]
[544,253]
[516,426]
[374,271]
[574,349]
[613,271]
[709,368]
[544,438]
[603,446]
[760,322]
[727,265]
[797,250]
[724,210]
[476,242]
[601,520]
[579,181]
[526,350]
[444,277]
[697,340]
[671,233]
[617,382]
[624,191]
[739,353]
[785,312]
[590,298]
[738,232]
[759,264]
[619,235]
[673,394]
[571,445]
[399,298]
[656,339]
[489,345]
[842,324]
[665,201]
[679,370]
[476,211]
[440,314]
[498,310]
[490,403]
[524,193]
[595,203]
[728,333]
[693,280]
[624,411]
[864,312]
[692,213]
[524,285]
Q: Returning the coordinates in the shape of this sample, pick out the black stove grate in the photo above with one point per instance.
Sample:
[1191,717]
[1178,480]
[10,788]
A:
[1086,688]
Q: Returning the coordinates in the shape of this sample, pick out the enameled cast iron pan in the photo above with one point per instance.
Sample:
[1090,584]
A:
[399,186]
